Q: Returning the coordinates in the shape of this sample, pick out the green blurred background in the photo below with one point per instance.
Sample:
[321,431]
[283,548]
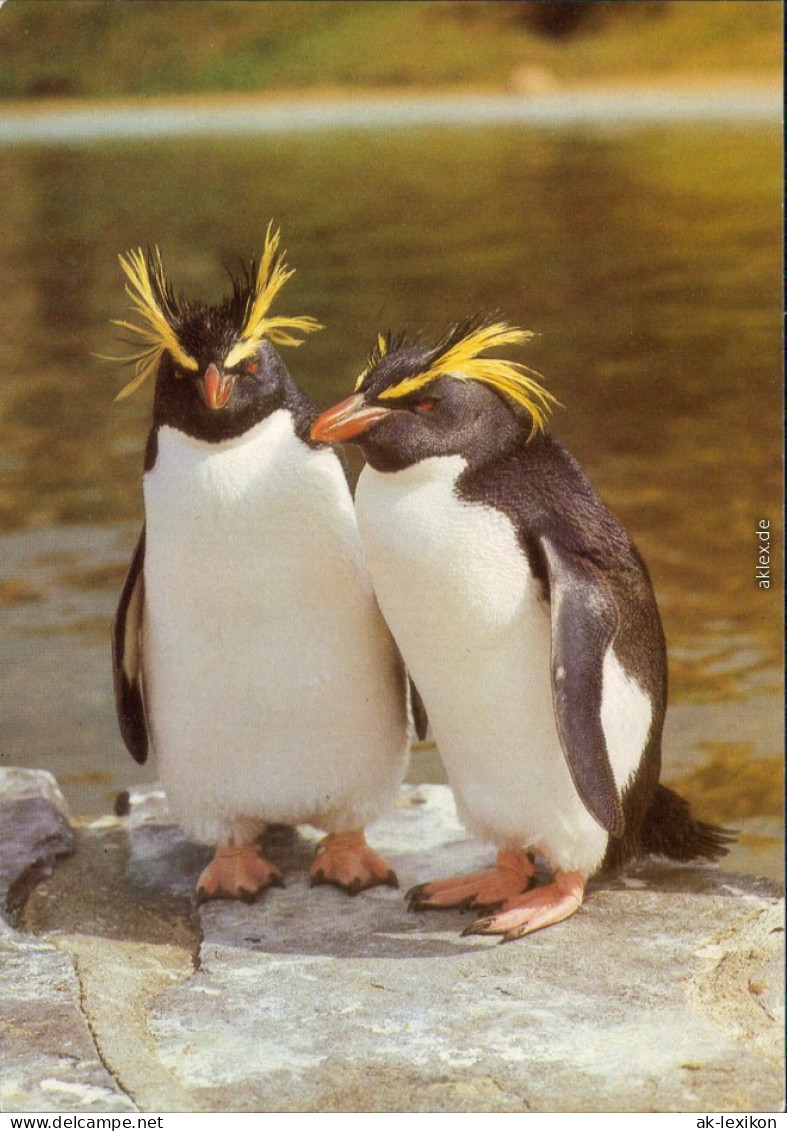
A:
[113,48]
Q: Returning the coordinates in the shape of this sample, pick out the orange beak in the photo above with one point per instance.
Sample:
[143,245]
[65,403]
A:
[215,388]
[347,420]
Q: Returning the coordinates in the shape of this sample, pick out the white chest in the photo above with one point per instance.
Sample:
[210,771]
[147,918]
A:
[253,565]
[444,568]
[249,507]
[455,588]
[269,674]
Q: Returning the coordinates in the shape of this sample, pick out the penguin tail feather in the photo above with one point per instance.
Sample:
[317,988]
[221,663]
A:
[670,830]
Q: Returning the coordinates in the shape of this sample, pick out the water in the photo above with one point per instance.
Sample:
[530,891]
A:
[648,262]
[209,117]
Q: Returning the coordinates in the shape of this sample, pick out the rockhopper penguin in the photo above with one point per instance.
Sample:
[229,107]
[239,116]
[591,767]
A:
[248,645]
[526,618]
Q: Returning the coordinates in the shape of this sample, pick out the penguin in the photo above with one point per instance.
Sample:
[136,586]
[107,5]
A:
[248,649]
[526,618]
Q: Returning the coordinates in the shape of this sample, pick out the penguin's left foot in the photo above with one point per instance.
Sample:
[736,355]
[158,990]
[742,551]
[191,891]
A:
[511,876]
[237,871]
[347,861]
[540,908]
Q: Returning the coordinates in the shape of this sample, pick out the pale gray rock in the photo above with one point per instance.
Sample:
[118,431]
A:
[48,1059]
[664,993]
[34,833]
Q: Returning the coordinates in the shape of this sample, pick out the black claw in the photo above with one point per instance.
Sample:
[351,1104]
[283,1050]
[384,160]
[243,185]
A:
[202,896]
[354,886]
[476,928]
[392,880]
[246,896]
[318,878]
[425,905]
[413,893]
[276,881]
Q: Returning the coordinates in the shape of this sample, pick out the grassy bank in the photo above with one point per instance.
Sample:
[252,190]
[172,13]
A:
[116,48]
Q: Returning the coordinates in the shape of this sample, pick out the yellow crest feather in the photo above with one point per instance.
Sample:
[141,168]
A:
[150,300]
[377,354]
[460,359]
[271,277]
[154,303]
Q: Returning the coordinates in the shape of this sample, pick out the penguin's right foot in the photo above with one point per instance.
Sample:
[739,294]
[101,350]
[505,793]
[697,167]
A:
[237,871]
[542,907]
[511,876]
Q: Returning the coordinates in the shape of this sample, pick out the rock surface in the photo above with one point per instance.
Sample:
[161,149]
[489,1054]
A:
[665,993]
[34,833]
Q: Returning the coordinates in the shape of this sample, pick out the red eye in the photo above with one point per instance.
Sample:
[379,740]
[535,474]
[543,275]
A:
[252,367]
[425,406]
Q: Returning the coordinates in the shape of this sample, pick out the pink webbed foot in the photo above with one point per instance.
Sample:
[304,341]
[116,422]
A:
[511,876]
[237,871]
[540,908]
[347,861]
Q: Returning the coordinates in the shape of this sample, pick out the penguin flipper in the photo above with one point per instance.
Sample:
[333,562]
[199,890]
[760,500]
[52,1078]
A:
[127,658]
[584,622]
[420,717]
